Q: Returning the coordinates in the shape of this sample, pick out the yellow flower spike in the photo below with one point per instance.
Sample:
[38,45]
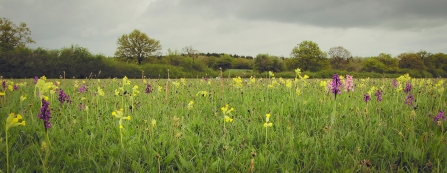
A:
[46,98]
[121,126]
[19,116]
[2,93]
[15,120]
[23,123]
[128,118]
[113,113]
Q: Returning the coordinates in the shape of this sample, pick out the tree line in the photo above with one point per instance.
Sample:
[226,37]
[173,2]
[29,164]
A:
[138,55]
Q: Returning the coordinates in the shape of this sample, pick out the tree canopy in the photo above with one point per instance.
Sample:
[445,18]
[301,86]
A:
[309,56]
[12,36]
[136,46]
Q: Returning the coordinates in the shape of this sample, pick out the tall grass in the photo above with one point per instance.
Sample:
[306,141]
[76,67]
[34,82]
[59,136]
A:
[386,136]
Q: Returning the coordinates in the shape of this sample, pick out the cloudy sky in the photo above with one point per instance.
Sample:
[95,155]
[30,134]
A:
[243,27]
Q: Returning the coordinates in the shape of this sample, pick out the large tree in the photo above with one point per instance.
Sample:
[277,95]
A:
[12,36]
[309,56]
[338,57]
[136,46]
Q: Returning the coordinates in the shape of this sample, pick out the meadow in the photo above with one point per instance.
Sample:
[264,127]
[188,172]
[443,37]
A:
[223,125]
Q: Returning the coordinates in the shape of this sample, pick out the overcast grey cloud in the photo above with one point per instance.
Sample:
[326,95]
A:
[248,27]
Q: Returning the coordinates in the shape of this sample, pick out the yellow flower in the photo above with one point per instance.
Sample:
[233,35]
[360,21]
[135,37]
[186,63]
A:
[128,118]
[268,125]
[190,104]
[267,117]
[228,119]
[306,77]
[323,83]
[225,109]
[13,121]
[46,98]
[2,93]
[113,113]
[22,97]
[121,126]
[271,74]
[154,122]
[100,91]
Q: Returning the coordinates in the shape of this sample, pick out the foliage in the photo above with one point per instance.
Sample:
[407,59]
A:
[136,46]
[12,36]
[338,57]
[309,56]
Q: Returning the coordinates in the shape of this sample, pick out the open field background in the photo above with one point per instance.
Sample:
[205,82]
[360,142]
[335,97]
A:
[180,126]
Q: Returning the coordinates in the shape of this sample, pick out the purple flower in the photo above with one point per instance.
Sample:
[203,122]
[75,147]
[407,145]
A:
[45,114]
[82,89]
[379,95]
[148,88]
[395,83]
[349,85]
[55,83]
[16,87]
[36,79]
[366,98]
[407,88]
[440,116]
[409,99]
[63,97]
[335,85]
[82,106]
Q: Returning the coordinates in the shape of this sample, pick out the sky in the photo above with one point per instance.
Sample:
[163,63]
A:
[242,27]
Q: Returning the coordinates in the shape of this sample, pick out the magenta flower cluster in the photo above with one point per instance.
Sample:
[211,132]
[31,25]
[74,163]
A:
[82,89]
[407,88]
[349,84]
[148,88]
[45,114]
[379,95]
[335,85]
[409,100]
[366,98]
[63,97]
[439,117]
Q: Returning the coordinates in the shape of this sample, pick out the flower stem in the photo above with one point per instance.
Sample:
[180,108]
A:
[7,152]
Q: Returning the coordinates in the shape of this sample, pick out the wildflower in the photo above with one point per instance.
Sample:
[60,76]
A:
[148,88]
[323,83]
[135,90]
[36,79]
[366,98]
[100,91]
[13,121]
[22,98]
[120,114]
[82,106]
[409,100]
[202,93]
[190,104]
[439,117]
[349,85]
[153,123]
[335,85]
[228,119]
[16,87]
[225,110]
[289,83]
[395,83]
[271,74]
[379,95]
[82,89]
[237,82]
[407,88]
[10,87]
[63,97]
[176,84]
[45,114]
